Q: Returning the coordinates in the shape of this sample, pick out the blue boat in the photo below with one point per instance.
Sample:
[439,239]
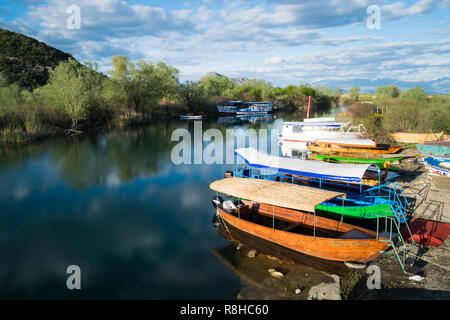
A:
[361,201]
[439,166]
[240,107]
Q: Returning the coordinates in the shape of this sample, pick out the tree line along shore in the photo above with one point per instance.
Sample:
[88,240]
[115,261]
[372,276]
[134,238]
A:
[77,97]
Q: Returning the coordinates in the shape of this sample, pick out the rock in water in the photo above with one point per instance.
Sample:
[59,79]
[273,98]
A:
[326,291]
[252,253]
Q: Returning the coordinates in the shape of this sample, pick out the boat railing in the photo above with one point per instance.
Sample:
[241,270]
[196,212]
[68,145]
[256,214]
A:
[268,174]
[392,233]
[394,193]
[360,128]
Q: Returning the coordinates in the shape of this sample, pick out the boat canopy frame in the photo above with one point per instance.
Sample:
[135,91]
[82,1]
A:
[279,194]
[314,169]
[276,194]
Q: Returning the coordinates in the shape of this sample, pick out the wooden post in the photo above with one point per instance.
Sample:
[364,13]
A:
[309,106]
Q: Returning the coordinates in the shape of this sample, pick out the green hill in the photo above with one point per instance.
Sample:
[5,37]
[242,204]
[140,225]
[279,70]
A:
[25,60]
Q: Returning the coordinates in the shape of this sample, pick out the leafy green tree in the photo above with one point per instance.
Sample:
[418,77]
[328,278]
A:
[306,90]
[167,80]
[143,85]
[255,89]
[217,86]
[73,89]
[387,92]
[192,96]
[416,94]
[354,93]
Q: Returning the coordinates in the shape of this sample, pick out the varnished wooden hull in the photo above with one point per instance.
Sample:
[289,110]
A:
[407,137]
[338,149]
[336,249]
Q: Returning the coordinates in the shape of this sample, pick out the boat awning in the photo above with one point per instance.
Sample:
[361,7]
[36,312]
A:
[349,142]
[280,194]
[345,172]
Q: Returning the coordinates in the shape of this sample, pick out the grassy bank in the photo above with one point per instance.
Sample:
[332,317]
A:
[408,111]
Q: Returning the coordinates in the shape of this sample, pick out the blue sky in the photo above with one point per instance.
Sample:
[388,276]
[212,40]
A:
[281,41]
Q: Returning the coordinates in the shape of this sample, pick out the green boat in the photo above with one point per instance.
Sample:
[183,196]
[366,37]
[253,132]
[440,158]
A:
[367,211]
[379,161]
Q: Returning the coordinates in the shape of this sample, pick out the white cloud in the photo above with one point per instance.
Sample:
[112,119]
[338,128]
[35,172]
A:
[399,9]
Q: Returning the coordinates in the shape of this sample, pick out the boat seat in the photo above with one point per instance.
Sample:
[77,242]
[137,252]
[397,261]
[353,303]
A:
[356,234]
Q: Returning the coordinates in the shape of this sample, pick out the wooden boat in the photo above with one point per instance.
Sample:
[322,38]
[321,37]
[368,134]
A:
[281,213]
[407,137]
[336,146]
[439,166]
[362,201]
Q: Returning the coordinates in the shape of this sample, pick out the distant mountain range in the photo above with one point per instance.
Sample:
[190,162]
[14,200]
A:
[236,81]
[25,60]
[438,86]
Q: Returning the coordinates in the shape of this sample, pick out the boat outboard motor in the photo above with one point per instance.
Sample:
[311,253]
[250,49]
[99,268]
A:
[217,201]
[228,174]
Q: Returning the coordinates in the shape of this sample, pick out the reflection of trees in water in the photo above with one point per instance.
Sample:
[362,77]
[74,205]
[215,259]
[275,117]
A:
[112,157]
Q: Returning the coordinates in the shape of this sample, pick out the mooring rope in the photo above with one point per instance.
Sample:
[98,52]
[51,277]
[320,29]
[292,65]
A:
[225,225]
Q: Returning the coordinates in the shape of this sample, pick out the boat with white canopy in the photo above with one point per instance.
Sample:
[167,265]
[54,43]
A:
[311,130]
[362,201]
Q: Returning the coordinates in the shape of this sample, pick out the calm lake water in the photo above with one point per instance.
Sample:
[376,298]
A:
[113,203]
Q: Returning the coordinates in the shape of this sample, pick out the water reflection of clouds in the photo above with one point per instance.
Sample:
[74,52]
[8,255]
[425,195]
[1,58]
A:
[17,186]
[33,264]
[140,227]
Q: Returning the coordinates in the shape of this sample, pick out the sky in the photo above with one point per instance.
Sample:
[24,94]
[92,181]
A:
[337,43]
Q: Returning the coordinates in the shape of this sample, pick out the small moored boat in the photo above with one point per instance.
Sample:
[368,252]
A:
[284,214]
[312,129]
[191,116]
[435,148]
[355,146]
[380,160]
[410,137]
[439,166]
